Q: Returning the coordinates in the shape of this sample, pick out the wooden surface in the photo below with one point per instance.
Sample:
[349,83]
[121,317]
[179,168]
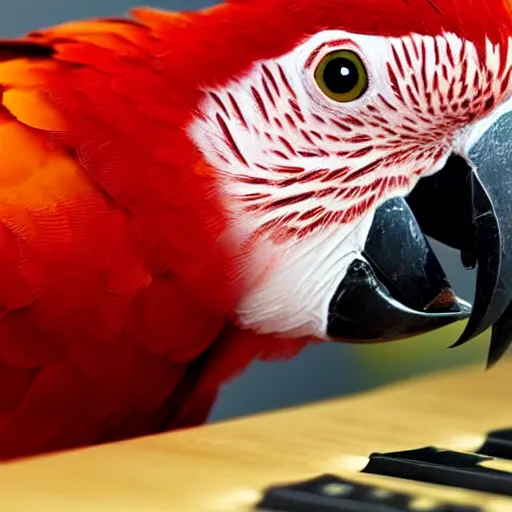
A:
[223,467]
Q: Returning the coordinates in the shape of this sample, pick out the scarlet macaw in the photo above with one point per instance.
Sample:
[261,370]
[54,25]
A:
[182,193]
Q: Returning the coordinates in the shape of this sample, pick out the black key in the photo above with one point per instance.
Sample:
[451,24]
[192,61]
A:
[498,444]
[444,467]
[329,493]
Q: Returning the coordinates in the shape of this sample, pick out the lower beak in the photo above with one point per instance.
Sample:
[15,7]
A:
[396,288]
[468,206]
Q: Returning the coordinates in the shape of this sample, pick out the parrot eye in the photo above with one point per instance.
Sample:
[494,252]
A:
[341,76]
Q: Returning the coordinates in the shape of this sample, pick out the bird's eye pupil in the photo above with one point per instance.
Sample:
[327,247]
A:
[341,75]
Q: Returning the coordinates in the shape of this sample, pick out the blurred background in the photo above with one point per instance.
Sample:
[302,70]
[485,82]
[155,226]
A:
[321,371]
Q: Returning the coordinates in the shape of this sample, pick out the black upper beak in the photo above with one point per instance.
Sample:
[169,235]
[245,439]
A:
[396,288]
[468,206]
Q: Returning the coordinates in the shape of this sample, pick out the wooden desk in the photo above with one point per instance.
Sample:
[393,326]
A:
[223,467]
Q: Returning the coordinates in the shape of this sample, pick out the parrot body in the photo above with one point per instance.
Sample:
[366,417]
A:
[121,261]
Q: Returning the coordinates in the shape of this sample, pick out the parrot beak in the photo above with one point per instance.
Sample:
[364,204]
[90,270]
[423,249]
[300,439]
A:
[396,288]
[468,205]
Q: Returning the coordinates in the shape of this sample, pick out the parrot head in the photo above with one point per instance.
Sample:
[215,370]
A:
[341,134]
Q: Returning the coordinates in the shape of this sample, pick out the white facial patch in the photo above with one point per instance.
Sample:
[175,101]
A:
[311,271]
[302,174]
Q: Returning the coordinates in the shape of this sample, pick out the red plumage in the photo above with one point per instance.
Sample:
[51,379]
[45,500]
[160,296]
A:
[116,283]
